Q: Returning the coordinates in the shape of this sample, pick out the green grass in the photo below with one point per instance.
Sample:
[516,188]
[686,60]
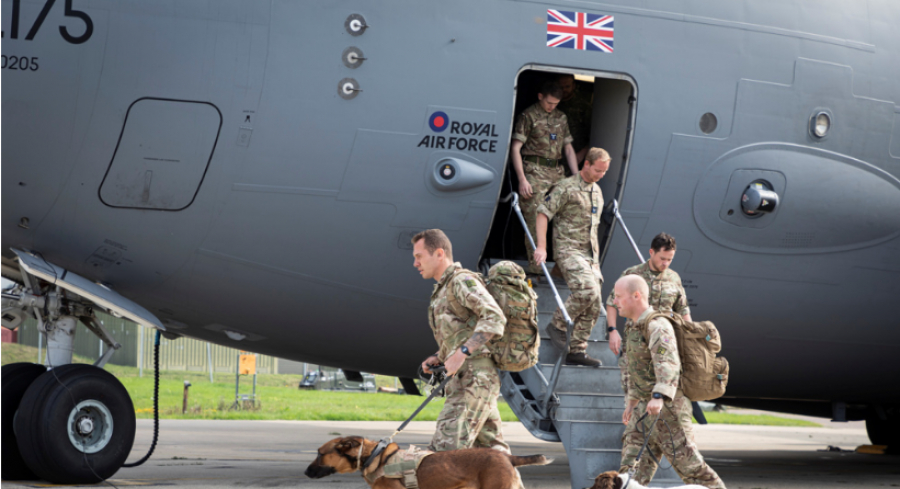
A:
[756,419]
[280,399]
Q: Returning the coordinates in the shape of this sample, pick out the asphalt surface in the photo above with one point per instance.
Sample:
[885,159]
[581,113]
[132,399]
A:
[266,454]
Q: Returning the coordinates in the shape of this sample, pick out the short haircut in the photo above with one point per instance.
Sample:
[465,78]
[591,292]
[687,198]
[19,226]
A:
[596,154]
[434,239]
[634,283]
[551,88]
[663,242]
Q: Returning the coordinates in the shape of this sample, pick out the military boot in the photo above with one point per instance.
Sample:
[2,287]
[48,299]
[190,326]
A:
[581,358]
[558,338]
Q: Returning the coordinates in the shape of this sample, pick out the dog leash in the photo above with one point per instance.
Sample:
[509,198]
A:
[384,442]
[637,461]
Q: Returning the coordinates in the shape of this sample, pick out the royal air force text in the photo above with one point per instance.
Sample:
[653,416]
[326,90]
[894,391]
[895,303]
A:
[461,143]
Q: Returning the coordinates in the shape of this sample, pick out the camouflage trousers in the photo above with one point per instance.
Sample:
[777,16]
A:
[584,301]
[470,417]
[541,179]
[674,425]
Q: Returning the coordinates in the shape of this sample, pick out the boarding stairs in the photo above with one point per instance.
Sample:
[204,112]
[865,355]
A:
[585,409]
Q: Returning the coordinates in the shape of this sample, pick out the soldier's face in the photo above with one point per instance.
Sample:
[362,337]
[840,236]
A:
[625,301]
[593,172]
[548,102]
[426,263]
[660,260]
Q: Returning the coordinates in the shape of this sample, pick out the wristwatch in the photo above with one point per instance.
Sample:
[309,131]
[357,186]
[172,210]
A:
[657,395]
[610,329]
[465,350]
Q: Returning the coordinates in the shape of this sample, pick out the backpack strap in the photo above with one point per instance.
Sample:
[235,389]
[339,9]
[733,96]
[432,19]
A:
[452,297]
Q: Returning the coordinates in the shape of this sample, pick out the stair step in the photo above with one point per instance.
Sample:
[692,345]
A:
[595,349]
[595,434]
[574,378]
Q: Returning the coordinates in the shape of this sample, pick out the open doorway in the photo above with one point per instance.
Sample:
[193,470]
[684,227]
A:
[613,104]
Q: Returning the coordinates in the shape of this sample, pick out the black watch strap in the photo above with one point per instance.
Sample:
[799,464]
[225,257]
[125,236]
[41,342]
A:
[465,350]
[610,329]
[657,395]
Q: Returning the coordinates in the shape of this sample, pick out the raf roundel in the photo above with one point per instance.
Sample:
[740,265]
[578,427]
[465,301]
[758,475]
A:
[439,121]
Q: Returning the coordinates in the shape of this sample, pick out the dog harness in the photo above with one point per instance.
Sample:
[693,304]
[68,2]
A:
[400,465]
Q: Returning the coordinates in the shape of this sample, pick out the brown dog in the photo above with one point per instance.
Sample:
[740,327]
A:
[475,468]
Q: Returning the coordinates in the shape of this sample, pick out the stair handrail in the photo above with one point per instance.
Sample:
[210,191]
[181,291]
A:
[615,206]
[554,376]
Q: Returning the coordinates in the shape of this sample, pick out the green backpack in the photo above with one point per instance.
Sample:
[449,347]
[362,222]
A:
[517,349]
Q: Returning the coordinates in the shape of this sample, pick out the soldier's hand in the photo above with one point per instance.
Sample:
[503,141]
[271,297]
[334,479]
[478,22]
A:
[615,341]
[454,362]
[525,189]
[654,406]
[626,416]
[540,255]
[430,361]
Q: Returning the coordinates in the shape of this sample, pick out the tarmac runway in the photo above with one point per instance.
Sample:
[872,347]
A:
[266,454]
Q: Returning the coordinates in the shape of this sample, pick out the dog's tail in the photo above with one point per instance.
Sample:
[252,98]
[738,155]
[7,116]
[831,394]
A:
[529,460]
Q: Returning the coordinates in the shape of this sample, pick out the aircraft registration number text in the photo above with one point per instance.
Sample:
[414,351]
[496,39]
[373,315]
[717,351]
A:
[23,63]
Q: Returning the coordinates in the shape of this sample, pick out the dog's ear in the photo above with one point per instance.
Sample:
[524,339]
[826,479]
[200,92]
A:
[617,481]
[348,443]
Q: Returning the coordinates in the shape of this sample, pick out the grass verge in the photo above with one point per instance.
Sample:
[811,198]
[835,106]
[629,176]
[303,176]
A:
[280,399]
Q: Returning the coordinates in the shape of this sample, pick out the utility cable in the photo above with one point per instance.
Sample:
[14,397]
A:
[155,404]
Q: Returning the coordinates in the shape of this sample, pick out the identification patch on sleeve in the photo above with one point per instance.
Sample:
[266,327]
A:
[470,283]
[552,137]
[661,351]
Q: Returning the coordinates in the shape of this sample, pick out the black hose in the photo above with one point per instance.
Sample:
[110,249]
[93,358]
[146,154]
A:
[155,404]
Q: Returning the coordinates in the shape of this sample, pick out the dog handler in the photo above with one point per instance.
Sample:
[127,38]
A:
[653,375]
[464,318]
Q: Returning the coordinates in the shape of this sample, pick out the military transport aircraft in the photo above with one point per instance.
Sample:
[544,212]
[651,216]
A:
[250,172]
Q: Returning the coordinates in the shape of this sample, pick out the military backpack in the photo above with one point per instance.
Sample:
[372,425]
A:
[703,375]
[517,349]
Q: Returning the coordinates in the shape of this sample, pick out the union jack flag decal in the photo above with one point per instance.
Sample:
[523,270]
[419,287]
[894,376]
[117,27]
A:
[579,30]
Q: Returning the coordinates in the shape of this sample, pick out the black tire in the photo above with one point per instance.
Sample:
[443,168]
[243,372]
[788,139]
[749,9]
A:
[43,424]
[16,378]
[883,431]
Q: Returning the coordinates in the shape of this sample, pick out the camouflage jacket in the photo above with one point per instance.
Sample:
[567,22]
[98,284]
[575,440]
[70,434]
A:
[578,110]
[666,291]
[544,134]
[460,307]
[653,363]
[575,206]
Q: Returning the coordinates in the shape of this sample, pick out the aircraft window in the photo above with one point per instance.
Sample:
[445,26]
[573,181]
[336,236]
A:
[708,123]
[820,123]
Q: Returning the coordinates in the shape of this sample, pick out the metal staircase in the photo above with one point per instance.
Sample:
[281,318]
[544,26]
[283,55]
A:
[584,410]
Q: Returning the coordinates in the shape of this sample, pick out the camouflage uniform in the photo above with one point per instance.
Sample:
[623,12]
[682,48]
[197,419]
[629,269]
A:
[578,110]
[654,366]
[460,307]
[666,294]
[576,206]
[544,135]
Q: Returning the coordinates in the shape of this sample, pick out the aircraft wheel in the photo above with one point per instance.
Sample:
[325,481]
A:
[883,431]
[75,425]
[16,377]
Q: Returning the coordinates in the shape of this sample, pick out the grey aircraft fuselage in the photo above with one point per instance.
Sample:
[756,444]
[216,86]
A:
[213,162]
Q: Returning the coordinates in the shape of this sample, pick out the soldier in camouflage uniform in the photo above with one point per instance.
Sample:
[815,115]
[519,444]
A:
[576,203]
[541,139]
[666,294]
[463,317]
[578,107]
[654,372]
